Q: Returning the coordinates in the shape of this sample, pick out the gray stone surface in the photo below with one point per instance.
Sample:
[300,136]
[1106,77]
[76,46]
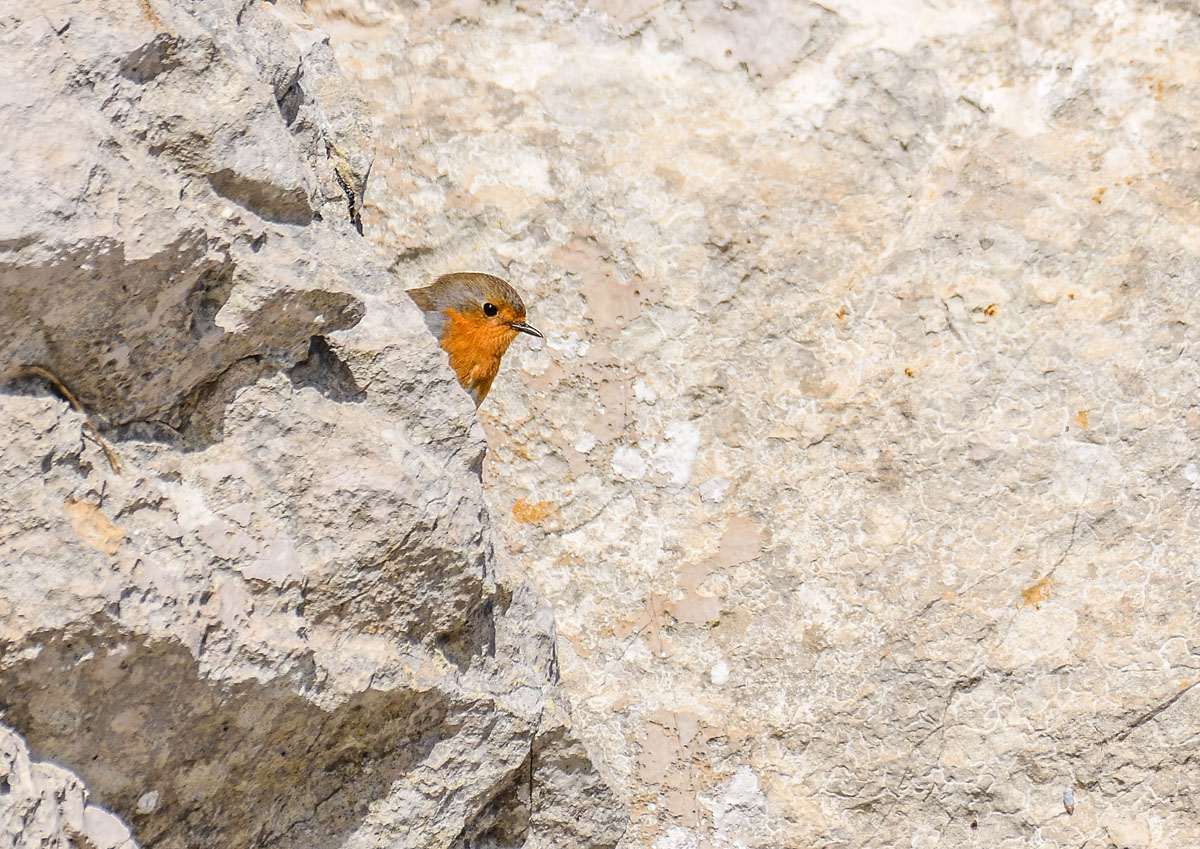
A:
[860,462]
[279,617]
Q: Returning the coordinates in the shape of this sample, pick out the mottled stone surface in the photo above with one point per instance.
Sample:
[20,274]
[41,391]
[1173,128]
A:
[250,592]
[46,806]
[860,462]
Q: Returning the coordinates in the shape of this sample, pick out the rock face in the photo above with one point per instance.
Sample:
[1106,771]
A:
[250,594]
[860,463]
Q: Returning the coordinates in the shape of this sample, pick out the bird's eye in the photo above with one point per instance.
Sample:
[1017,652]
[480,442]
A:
[489,310]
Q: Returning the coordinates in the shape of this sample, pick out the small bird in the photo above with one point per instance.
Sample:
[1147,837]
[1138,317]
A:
[475,317]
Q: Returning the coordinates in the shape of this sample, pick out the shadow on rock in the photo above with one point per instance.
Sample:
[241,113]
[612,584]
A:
[192,763]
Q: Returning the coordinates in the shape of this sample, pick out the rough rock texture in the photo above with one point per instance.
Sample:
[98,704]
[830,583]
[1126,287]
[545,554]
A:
[860,463]
[282,622]
[45,805]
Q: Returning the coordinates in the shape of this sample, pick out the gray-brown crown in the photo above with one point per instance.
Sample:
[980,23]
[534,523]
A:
[462,290]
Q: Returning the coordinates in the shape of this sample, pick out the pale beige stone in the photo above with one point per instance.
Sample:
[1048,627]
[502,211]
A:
[880,256]
[251,591]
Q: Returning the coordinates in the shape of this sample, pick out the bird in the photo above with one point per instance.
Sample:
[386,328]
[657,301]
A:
[475,317]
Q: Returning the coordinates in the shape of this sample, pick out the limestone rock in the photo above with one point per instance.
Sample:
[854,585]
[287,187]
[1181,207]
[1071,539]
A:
[283,620]
[859,464]
[47,806]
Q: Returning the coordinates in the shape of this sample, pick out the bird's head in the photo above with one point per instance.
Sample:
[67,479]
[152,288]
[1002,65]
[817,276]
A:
[475,317]
[482,303]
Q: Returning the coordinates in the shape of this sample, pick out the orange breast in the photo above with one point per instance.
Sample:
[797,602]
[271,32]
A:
[475,347]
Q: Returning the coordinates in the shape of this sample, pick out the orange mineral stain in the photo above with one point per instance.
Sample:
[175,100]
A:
[149,14]
[93,527]
[1036,593]
[531,514]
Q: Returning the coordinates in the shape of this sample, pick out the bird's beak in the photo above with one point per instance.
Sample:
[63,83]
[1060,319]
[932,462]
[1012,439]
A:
[526,328]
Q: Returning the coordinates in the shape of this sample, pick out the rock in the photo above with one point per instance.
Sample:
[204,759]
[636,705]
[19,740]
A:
[915,281]
[250,586]
[44,805]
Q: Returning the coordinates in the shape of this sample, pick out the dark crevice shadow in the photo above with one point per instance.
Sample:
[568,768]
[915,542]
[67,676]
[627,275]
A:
[325,372]
[152,59]
[266,199]
[503,823]
[216,766]
[290,101]
[196,421]
[146,357]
